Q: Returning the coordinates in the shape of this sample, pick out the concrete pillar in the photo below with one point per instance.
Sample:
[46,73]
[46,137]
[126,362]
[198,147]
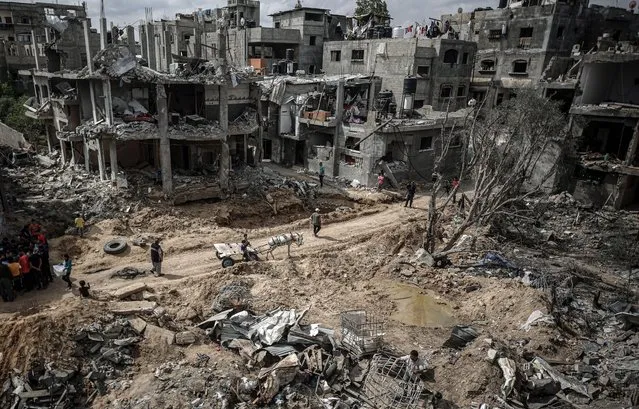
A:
[72,154]
[103,27]
[113,160]
[108,102]
[130,38]
[632,149]
[371,98]
[94,108]
[245,148]
[225,159]
[35,50]
[259,154]
[87,45]
[165,142]
[63,153]
[87,158]
[101,164]
[47,130]
[339,111]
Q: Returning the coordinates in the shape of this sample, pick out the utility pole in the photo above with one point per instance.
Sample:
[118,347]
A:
[103,27]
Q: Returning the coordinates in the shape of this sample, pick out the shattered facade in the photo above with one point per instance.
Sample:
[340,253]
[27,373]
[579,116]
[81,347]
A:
[44,35]
[418,71]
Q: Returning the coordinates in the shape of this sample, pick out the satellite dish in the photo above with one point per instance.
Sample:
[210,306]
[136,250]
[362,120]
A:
[460,10]
[632,4]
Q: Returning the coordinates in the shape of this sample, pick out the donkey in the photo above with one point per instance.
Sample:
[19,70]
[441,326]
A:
[284,240]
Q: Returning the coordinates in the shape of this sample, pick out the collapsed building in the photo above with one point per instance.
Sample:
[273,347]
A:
[149,121]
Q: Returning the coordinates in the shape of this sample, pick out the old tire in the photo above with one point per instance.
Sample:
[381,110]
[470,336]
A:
[115,246]
[227,262]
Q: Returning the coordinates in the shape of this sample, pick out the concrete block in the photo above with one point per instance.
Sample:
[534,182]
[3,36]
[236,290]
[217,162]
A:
[492,355]
[156,333]
[138,325]
[185,338]
[591,360]
[132,307]
[124,292]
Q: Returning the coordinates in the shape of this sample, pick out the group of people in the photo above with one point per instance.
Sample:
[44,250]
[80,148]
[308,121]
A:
[24,263]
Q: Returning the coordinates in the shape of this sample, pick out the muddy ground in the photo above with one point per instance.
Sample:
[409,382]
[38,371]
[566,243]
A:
[361,260]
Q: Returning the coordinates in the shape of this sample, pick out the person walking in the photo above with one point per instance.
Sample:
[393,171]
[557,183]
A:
[25,270]
[68,265]
[157,256]
[79,225]
[322,171]
[316,221]
[410,194]
[36,270]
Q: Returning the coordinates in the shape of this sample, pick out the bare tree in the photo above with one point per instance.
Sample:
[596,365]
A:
[507,153]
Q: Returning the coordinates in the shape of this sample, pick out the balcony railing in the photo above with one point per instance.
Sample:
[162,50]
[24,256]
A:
[525,42]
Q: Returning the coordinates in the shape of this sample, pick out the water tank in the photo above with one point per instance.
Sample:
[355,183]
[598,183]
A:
[290,68]
[276,68]
[502,4]
[409,102]
[398,32]
[290,54]
[410,85]
[282,67]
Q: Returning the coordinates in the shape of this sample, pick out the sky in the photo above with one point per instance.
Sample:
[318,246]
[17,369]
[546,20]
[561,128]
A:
[403,12]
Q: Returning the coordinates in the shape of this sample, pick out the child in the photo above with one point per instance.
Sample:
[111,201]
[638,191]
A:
[84,289]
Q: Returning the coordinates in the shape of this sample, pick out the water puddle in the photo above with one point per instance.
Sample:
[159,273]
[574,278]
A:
[419,307]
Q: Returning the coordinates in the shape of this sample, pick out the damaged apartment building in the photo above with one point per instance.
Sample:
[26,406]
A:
[358,123]
[525,44]
[47,36]
[187,130]
[605,118]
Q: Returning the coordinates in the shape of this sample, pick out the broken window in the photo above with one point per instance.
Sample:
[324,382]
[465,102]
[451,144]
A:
[311,69]
[560,32]
[336,55]
[461,91]
[183,54]
[312,40]
[487,65]
[277,24]
[423,70]
[426,143]
[351,142]
[357,55]
[525,32]
[49,11]
[8,20]
[446,92]
[450,56]
[494,35]
[465,58]
[419,103]
[520,67]
[313,17]
[25,20]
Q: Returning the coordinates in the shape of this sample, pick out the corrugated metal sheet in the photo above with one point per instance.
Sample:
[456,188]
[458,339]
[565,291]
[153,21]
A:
[281,350]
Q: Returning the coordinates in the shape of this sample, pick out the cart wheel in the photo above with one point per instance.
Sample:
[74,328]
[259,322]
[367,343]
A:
[253,257]
[218,255]
[227,262]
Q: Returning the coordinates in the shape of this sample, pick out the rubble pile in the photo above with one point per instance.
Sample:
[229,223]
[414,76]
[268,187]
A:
[262,180]
[55,196]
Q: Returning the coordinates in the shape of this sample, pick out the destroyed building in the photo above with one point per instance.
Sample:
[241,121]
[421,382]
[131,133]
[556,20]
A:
[161,124]
[47,36]
[526,44]
[418,71]
[605,118]
[305,126]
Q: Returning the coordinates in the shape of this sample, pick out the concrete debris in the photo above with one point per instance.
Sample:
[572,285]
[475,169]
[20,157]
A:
[159,335]
[132,307]
[127,291]
[508,369]
[185,338]
[537,317]
[128,273]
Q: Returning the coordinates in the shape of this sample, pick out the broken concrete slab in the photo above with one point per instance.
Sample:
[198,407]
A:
[138,325]
[129,290]
[156,333]
[132,307]
[185,338]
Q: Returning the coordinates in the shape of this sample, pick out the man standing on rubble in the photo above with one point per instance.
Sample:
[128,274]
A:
[316,221]
[157,256]
[68,265]
[410,194]
[79,225]
[322,171]
[415,366]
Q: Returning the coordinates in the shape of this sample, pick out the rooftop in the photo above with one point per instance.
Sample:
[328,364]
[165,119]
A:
[279,13]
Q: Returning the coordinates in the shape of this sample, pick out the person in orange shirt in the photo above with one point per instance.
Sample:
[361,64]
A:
[14,268]
[25,270]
